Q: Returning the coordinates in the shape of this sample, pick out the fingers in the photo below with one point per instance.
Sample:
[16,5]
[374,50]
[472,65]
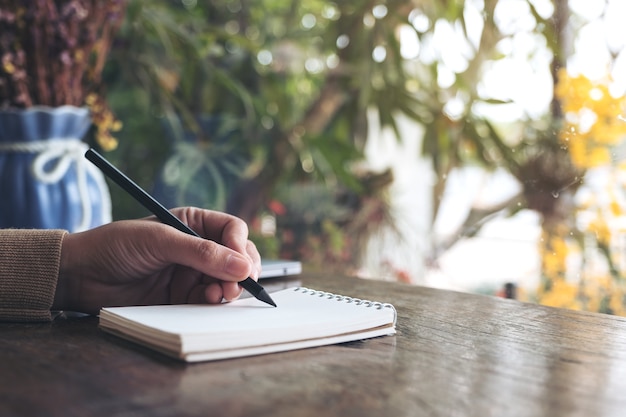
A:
[138,261]
[230,291]
[207,257]
[224,253]
[223,228]
[228,254]
[209,290]
[255,258]
[215,292]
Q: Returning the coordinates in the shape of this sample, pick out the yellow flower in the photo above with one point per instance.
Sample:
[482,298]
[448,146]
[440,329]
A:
[562,294]
[577,150]
[106,142]
[598,156]
[616,208]
[104,121]
[601,229]
[554,253]
[593,119]
[593,125]
[79,56]
[608,131]
[91,99]
[8,67]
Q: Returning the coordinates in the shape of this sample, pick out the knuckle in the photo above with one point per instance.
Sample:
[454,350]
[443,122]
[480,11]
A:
[239,223]
[207,250]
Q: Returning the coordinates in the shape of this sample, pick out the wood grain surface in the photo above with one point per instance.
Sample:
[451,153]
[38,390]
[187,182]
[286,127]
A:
[455,354]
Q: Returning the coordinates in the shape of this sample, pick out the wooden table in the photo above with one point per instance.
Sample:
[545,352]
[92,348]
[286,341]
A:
[454,355]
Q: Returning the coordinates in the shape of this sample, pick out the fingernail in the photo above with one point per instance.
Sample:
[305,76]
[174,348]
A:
[237,266]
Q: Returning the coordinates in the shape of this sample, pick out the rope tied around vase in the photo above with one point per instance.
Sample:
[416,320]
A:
[63,152]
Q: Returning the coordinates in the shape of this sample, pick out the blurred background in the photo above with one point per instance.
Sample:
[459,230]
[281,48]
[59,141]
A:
[474,145]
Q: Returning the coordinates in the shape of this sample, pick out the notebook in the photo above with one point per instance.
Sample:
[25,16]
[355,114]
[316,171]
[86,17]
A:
[304,318]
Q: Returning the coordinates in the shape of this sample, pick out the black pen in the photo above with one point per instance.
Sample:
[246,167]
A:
[163,214]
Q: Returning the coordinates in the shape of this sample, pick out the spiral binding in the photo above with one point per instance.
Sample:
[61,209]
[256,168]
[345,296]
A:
[349,300]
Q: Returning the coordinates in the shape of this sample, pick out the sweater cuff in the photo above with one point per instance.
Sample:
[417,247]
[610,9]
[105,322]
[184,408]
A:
[29,268]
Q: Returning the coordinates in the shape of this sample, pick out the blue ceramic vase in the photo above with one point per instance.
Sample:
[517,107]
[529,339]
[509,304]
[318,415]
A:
[45,180]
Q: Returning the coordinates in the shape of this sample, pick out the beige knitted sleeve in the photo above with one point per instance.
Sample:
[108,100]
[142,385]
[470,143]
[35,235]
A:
[29,267]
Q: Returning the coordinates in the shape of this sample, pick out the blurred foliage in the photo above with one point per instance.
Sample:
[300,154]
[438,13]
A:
[297,79]
[237,104]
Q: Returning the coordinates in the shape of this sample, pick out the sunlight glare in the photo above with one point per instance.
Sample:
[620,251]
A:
[409,42]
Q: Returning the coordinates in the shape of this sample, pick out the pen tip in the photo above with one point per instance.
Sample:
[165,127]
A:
[257,291]
[264,296]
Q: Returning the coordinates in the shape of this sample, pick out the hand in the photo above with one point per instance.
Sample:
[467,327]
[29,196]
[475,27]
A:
[140,262]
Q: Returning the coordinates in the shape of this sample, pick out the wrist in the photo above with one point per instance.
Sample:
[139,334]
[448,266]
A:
[62,294]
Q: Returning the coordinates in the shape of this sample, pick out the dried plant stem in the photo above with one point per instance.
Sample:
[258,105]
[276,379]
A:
[52,52]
